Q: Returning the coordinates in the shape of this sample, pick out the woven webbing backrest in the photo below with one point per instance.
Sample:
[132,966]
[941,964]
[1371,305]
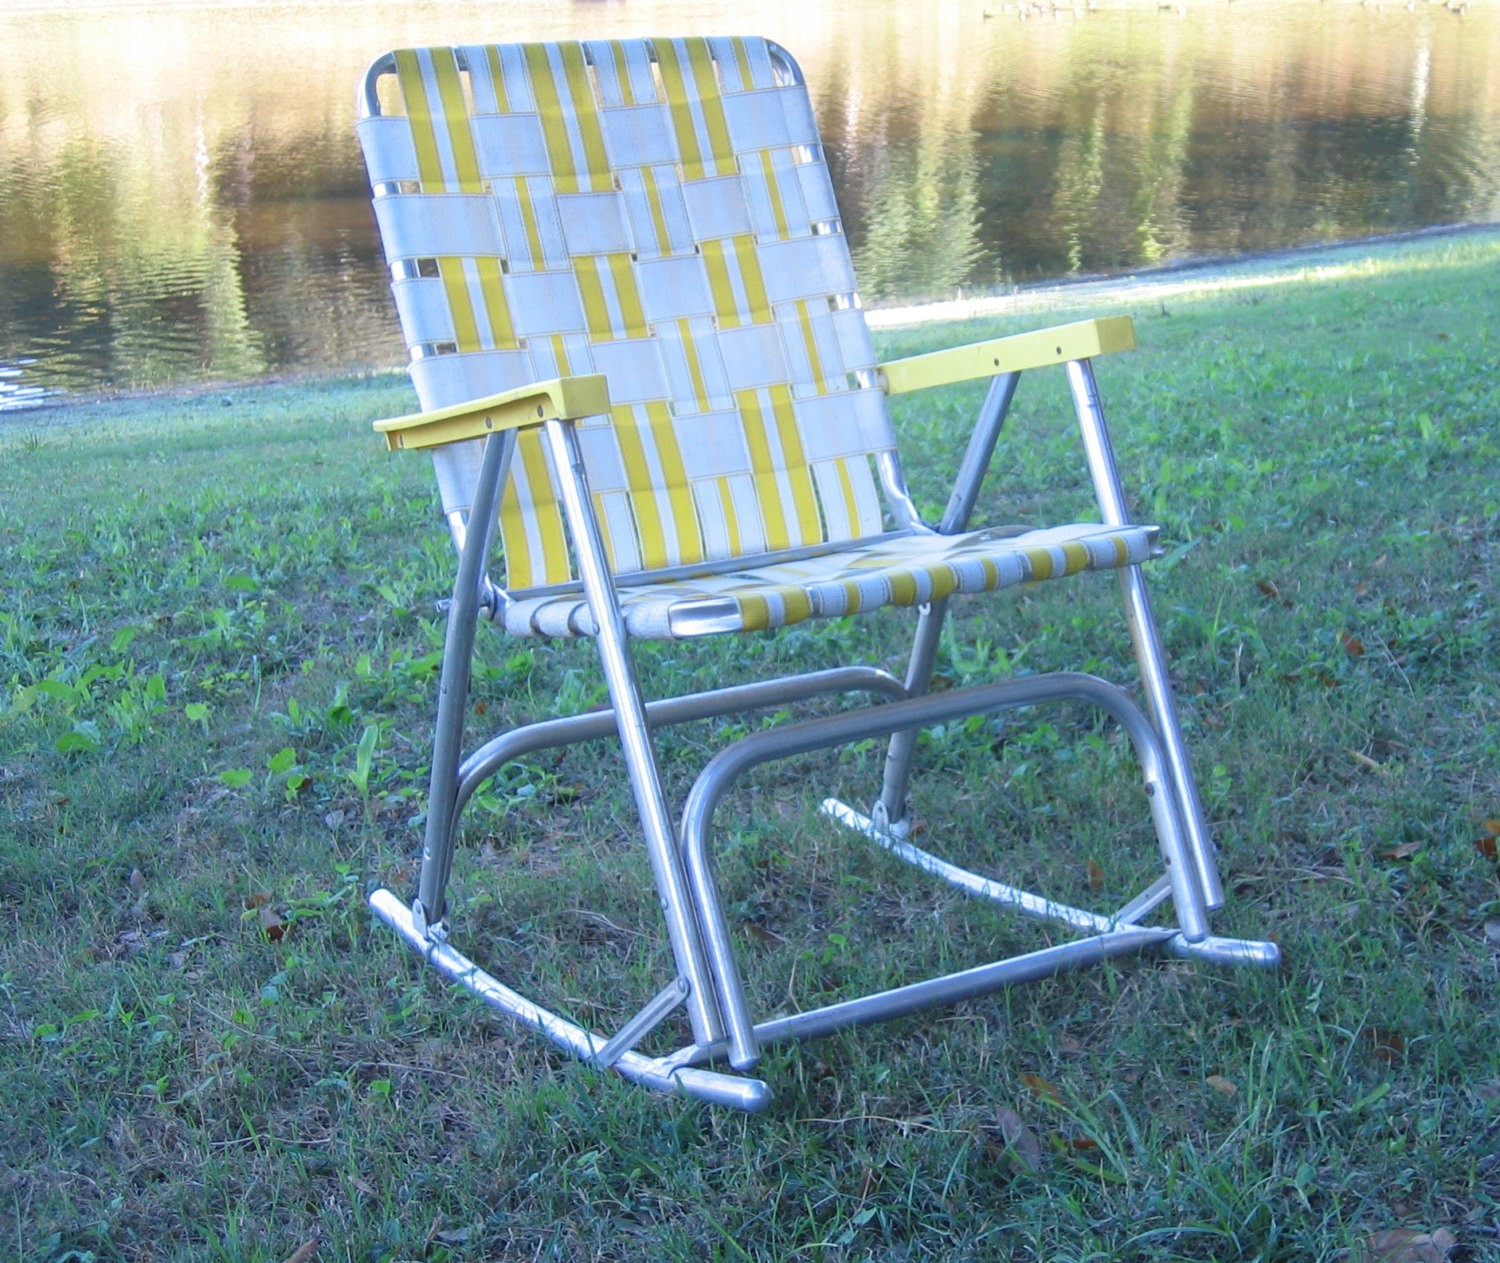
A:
[660,212]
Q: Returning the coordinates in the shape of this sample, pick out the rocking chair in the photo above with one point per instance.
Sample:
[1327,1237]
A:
[649,390]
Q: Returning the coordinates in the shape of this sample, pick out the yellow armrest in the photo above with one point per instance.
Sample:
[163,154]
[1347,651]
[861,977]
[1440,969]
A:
[565,398]
[1020,351]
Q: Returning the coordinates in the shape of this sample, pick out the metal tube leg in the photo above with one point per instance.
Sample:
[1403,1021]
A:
[1155,681]
[1162,707]
[635,735]
[453,687]
[976,461]
[891,810]
[832,731]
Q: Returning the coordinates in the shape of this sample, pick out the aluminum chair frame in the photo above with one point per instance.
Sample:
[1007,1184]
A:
[554,414]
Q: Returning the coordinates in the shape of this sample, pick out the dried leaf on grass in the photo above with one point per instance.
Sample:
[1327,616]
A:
[1406,1245]
[1042,1089]
[1047,1091]
[1225,1087]
[304,1252]
[1269,589]
[1385,1045]
[763,934]
[1403,852]
[1008,1139]
[1485,843]
[271,924]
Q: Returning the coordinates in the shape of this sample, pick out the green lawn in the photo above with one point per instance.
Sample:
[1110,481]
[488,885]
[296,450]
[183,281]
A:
[217,669]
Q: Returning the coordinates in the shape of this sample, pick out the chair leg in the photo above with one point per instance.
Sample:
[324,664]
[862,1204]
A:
[1107,935]
[635,736]
[1151,660]
[429,910]
[891,809]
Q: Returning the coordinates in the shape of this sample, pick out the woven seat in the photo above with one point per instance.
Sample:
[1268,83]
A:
[655,411]
[904,570]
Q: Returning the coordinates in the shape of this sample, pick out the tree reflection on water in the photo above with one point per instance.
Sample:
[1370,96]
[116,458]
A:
[181,197]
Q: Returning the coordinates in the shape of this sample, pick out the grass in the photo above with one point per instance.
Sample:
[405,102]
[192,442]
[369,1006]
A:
[217,652]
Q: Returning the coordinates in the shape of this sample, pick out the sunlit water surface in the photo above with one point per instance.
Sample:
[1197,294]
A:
[182,199]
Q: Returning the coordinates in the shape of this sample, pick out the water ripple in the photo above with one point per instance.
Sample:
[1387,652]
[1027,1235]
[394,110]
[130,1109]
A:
[154,233]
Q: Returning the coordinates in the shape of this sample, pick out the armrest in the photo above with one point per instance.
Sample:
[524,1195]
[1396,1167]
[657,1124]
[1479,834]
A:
[562,398]
[1036,349]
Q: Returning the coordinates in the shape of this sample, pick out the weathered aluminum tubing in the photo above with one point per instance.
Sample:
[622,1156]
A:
[635,734]
[970,883]
[964,985]
[749,1095]
[566,730]
[1155,680]
[971,471]
[901,748]
[548,734]
[1214,950]
[492,598]
[1210,949]
[453,684]
[1157,893]
[978,454]
[1156,684]
[837,730]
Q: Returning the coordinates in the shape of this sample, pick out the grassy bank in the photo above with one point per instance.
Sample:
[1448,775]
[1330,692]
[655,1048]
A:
[217,657]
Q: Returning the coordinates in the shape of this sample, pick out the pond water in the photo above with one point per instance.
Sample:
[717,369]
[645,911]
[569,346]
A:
[182,199]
